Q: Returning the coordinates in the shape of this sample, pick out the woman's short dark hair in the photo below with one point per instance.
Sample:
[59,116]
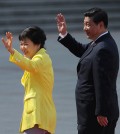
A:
[97,15]
[35,34]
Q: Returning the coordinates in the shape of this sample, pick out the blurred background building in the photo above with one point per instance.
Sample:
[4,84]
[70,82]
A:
[15,15]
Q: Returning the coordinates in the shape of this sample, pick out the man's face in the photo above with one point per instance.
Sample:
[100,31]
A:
[91,29]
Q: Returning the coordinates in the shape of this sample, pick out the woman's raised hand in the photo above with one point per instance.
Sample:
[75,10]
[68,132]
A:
[8,42]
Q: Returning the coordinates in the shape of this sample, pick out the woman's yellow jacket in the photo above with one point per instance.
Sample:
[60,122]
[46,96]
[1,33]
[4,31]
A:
[38,82]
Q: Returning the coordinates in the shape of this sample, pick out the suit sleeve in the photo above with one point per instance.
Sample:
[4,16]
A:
[30,65]
[74,47]
[102,72]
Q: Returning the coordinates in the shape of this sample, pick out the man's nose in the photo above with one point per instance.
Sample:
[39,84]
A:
[84,28]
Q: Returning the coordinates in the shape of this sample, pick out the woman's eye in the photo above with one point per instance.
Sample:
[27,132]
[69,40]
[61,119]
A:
[25,44]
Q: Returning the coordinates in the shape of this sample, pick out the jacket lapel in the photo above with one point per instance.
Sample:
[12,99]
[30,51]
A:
[24,78]
[90,48]
[87,52]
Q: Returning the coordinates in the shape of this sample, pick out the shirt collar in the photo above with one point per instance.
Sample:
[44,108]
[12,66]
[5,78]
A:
[101,35]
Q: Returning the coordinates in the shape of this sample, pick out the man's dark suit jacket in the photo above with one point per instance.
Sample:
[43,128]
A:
[97,74]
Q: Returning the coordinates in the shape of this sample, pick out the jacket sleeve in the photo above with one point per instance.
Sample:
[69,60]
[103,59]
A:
[102,76]
[30,65]
[74,47]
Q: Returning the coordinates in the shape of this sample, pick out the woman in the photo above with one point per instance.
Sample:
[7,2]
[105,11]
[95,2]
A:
[39,113]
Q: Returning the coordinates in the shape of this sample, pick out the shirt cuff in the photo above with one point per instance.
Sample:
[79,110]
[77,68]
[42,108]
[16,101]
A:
[63,35]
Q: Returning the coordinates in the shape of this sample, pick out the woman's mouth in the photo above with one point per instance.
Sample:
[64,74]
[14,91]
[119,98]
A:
[25,53]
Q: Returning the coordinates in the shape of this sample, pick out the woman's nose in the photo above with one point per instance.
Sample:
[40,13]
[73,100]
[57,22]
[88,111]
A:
[22,47]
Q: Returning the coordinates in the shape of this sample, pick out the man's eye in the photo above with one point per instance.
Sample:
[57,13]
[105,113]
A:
[88,25]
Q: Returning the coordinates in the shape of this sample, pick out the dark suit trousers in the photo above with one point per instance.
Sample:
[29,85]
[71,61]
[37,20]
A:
[87,120]
[95,128]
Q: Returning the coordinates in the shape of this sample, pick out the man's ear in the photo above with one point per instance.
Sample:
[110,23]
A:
[101,24]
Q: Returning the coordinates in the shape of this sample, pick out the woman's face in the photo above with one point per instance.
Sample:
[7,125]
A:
[28,48]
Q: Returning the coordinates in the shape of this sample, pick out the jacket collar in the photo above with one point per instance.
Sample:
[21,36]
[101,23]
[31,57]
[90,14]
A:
[102,37]
[41,51]
[93,44]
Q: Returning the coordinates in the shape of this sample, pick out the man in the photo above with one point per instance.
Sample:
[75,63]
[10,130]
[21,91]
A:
[97,70]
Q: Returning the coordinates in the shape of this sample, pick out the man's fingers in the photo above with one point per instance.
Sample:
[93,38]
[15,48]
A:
[60,18]
[102,121]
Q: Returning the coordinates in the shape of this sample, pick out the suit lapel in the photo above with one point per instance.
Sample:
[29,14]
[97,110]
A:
[24,77]
[87,52]
[90,48]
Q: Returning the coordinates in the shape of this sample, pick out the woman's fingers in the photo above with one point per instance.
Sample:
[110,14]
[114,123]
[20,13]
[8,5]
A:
[8,41]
